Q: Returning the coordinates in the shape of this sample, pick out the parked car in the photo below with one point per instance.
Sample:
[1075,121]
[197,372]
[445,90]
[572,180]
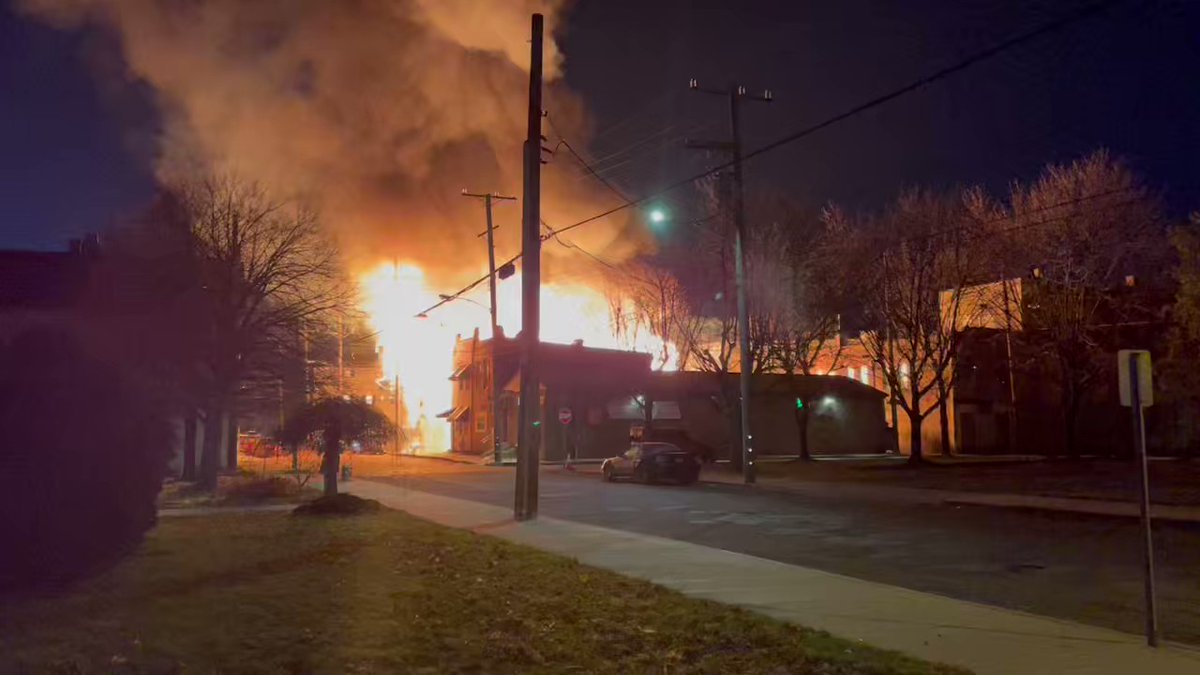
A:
[652,462]
[681,438]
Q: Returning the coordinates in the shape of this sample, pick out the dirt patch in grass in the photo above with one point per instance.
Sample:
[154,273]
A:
[338,505]
[384,593]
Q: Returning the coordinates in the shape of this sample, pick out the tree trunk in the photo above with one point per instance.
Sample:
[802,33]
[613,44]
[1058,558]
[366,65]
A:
[944,416]
[801,416]
[1070,415]
[331,460]
[914,440]
[188,471]
[231,445]
[210,464]
[915,418]
[734,418]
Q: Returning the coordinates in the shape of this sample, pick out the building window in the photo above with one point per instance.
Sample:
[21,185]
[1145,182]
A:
[850,372]
[481,422]
[866,374]
[904,373]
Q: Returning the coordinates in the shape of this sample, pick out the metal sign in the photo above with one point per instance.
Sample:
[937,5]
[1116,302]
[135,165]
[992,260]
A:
[564,415]
[1145,383]
[1133,367]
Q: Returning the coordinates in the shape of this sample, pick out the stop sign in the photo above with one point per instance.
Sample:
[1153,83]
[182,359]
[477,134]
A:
[564,415]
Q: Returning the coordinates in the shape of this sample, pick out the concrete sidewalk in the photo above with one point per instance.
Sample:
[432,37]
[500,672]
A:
[909,495]
[986,639]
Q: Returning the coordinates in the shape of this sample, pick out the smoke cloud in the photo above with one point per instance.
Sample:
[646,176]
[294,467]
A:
[379,111]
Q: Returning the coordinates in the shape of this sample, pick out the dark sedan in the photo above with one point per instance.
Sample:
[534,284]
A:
[652,462]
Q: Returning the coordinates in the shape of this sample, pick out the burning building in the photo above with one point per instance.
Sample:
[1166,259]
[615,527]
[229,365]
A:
[578,385]
[592,399]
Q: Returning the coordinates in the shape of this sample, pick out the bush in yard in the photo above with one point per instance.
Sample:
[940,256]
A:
[332,422]
[83,455]
[256,489]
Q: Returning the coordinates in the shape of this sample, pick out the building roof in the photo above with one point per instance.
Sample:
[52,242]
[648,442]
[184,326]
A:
[674,385]
[562,365]
[41,279]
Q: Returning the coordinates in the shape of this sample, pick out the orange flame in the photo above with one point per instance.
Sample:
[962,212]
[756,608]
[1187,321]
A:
[419,352]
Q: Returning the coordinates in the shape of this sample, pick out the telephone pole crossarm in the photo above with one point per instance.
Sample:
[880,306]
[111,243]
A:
[488,198]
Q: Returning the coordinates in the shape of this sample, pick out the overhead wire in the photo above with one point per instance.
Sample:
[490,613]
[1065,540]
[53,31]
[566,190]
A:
[973,59]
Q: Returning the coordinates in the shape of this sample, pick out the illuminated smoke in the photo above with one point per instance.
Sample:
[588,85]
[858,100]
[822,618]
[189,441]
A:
[380,111]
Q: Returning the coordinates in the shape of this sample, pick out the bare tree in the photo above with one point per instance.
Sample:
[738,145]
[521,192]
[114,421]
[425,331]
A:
[648,297]
[1083,228]
[925,258]
[265,268]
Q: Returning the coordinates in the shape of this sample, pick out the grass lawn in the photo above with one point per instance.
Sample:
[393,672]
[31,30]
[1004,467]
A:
[387,593]
[1171,482]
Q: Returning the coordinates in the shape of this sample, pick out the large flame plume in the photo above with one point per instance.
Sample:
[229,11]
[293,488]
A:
[419,350]
[377,112]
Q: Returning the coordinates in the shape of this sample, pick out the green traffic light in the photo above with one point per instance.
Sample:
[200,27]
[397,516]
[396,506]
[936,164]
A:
[657,216]
[799,403]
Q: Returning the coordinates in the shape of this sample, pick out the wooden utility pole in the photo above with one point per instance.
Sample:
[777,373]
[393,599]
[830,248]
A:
[526,498]
[488,198]
[736,93]
[341,355]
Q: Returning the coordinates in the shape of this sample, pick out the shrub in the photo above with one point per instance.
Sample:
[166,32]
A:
[83,455]
[250,490]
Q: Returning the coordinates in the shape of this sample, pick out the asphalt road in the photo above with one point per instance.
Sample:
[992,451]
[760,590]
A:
[1083,568]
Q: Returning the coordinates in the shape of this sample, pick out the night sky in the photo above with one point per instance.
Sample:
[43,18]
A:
[77,143]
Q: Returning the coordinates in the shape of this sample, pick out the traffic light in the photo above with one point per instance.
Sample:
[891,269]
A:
[799,403]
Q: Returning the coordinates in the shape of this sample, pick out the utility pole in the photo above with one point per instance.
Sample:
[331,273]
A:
[341,354]
[396,404]
[1012,381]
[526,498]
[488,198]
[396,375]
[894,388]
[307,367]
[736,93]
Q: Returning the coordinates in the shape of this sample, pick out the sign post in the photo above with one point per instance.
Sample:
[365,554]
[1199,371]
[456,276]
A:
[1137,392]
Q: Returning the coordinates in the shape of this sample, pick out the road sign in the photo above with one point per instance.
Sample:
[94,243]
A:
[564,415]
[1145,388]
[1133,368]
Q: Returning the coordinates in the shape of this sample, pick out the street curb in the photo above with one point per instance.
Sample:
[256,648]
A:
[1086,507]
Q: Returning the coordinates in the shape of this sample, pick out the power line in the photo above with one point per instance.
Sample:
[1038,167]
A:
[968,62]
[583,162]
[568,244]
[922,82]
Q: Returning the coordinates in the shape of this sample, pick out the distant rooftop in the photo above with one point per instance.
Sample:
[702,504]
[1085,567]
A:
[42,279]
